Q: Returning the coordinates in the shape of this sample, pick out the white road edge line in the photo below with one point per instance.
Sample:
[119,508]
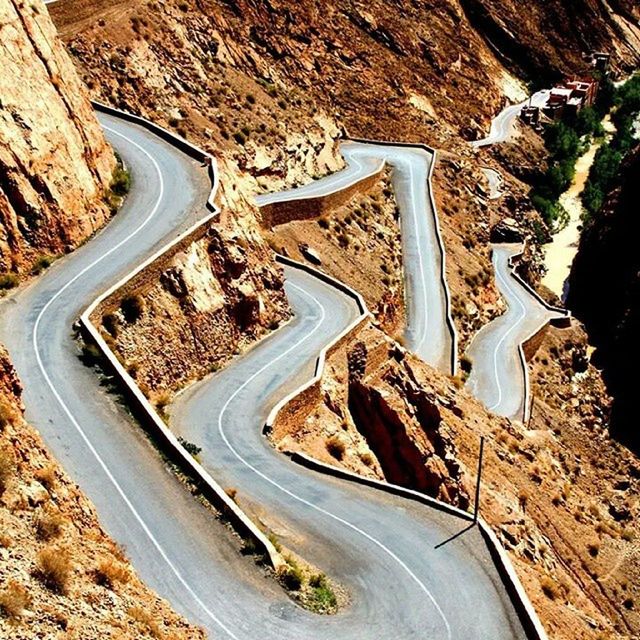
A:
[506,333]
[72,418]
[423,337]
[348,524]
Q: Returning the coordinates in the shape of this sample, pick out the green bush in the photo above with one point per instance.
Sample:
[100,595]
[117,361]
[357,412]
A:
[191,449]
[291,577]
[42,263]
[609,157]
[120,181]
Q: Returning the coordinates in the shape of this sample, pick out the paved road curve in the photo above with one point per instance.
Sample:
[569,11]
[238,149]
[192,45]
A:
[497,377]
[494,181]
[427,332]
[502,124]
[382,548]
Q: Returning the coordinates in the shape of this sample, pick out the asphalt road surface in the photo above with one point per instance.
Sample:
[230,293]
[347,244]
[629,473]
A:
[497,377]
[494,181]
[405,580]
[502,124]
[427,333]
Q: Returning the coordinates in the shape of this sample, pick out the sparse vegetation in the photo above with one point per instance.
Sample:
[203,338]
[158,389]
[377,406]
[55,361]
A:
[132,307]
[336,447]
[47,477]
[111,322]
[8,415]
[549,588]
[291,576]
[367,459]
[111,572]
[49,525]
[191,448]
[146,621]
[14,599]
[322,598]
[54,569]
[9,280]
[7,467]
[42,262]
[120,181]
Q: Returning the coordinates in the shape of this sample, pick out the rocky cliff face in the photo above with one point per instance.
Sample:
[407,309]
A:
[54,162]
[376,412]
[544,40]
[208,298]
[403,70]
[60,574]
[605,294]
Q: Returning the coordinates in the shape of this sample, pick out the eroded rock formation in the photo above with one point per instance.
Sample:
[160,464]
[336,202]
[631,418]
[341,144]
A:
[205,300]
[54,162]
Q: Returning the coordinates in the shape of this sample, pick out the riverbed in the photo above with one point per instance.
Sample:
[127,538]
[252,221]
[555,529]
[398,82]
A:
[560,252]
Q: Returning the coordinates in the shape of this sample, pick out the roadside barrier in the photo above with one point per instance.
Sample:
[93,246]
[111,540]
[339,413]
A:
[163,436]
[436,221]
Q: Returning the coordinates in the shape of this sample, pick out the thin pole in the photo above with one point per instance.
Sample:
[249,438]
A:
[476,507]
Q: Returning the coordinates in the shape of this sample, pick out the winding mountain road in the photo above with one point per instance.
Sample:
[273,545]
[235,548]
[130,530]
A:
[497,377]
[408,574]
[427,331]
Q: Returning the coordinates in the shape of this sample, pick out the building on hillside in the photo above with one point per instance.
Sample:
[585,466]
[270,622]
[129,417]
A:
[601,60]
[570,97]
[530,115]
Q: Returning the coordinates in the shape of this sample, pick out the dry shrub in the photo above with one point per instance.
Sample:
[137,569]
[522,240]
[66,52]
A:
[47,477]
[549,588]
[367,459]
[145,620]
[49,525]
[55,569]
[7,467]
[336,447]
[6,540]
[110,572]
[8,413]
[14,600]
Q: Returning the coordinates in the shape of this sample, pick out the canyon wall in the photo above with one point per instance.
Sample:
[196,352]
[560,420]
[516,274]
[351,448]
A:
[407,71]
[605,294]
[543,41]
[55,164]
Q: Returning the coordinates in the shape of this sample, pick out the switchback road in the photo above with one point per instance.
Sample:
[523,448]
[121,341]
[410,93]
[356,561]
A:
[405,579]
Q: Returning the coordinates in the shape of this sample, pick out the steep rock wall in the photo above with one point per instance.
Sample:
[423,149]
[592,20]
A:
[54,161]
[604,293]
